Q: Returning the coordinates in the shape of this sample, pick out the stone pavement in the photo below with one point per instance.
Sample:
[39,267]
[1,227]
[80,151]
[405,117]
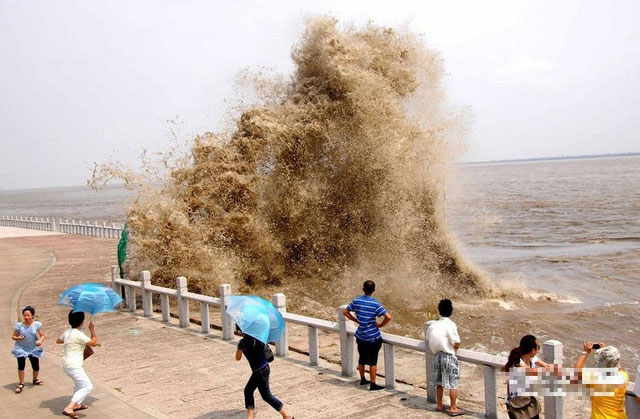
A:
[20,266]
[161,369]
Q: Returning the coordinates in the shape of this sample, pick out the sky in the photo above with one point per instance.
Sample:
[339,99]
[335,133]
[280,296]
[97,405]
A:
[88,81]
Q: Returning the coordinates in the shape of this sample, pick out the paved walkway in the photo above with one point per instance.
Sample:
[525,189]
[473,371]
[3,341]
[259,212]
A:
[22,266]
[161,369]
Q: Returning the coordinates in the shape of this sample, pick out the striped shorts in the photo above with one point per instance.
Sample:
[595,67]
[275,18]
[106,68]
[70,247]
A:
[445,371]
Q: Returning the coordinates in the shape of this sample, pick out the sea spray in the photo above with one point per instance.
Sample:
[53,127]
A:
[334,179]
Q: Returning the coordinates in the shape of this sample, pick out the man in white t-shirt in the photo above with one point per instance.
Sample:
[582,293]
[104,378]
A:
[444,341]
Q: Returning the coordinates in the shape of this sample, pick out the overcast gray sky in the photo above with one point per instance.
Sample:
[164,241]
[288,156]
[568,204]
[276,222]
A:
[83,81]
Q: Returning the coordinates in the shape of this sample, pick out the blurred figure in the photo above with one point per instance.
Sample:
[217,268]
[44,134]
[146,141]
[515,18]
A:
[605,407]
[523,356]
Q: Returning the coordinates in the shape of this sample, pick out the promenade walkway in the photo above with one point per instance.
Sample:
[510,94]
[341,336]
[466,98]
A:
[146,368]
[21,266]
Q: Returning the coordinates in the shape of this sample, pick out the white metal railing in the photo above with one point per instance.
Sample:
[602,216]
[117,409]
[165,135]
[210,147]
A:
[84,228]
[552,350]
[44,224]
[87,228]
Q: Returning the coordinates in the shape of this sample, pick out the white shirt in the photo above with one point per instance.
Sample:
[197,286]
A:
[74,343]
[442,335]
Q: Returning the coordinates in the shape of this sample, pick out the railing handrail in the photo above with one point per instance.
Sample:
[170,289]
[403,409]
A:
[472,357]
[84,228]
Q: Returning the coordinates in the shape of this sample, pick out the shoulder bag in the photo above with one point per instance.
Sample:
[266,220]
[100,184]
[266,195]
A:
[268,353]
[523,407]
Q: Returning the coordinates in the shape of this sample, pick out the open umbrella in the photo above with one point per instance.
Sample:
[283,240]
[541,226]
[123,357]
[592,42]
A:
[256,317]
[90,298]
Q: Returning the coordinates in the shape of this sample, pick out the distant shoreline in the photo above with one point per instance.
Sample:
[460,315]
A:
[584,156]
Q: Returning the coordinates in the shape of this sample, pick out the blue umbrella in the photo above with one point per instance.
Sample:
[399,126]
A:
[256,317]
[90,298]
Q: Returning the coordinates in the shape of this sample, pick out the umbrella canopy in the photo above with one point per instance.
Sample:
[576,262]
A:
[90,298]
[256,317]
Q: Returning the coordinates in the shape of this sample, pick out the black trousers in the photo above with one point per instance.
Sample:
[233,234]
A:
[22,362]
[368,352]
[260,380]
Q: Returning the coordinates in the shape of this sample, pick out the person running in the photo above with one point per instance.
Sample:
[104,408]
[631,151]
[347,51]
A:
[444,341]
[254,351]
[75,341]
[368,336]
[28,336]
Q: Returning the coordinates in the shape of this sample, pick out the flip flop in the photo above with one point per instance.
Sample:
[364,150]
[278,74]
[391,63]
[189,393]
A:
[460,412]
[82,407]
[71,415]
[19,388]
[37,382]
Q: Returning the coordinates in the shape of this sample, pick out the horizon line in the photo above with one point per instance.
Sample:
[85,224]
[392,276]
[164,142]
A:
[548,158]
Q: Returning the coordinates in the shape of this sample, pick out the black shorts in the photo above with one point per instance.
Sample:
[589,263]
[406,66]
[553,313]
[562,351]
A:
[368,352]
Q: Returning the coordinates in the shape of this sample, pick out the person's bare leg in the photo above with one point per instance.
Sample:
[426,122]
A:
[35,375]
[361,370]
[439,396]
[250,413]
[283,412]
[453,395]
[373,369]
[21,376]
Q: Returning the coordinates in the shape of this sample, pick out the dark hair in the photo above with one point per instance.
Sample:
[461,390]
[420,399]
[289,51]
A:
[527,344]
[445,307]
[368,287]
[29,308]
[76,319]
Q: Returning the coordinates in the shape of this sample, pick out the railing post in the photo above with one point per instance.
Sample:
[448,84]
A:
[227,324]
[114,286]
[204,317]
[130,295]
[428,355]
[314,355]
[183,304]
[552,354]
[389,366]
[164,305]
[347,345]
[279,301]
[490,392]
[145,280]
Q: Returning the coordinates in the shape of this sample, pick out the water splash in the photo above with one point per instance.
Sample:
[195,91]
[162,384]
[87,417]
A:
[334,178]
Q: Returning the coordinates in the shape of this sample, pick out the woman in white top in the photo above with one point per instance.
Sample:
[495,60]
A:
[74,341]
[523,356]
